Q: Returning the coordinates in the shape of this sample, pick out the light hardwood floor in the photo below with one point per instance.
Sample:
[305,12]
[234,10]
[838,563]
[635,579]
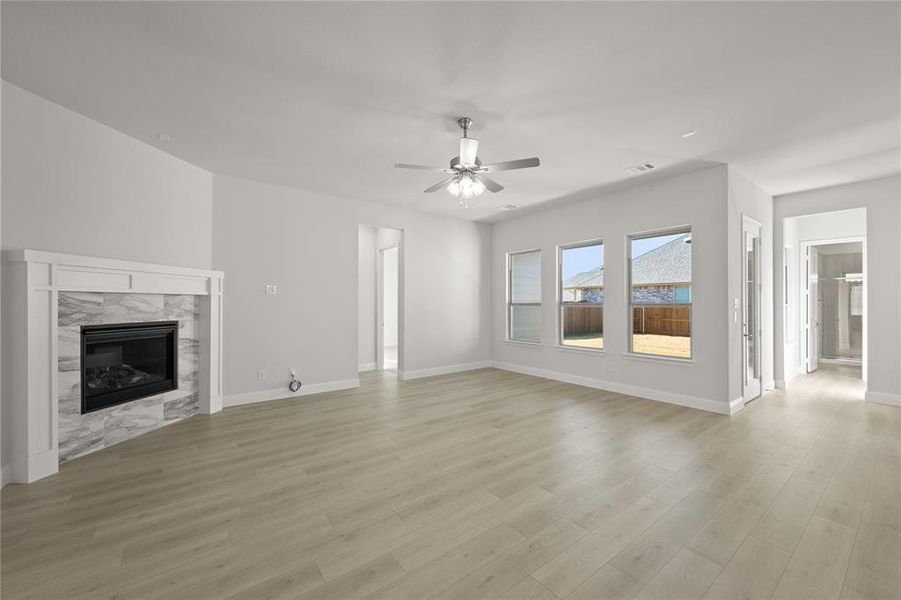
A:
[486,484]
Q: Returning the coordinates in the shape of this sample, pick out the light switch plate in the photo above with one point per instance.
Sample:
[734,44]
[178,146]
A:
[271,289]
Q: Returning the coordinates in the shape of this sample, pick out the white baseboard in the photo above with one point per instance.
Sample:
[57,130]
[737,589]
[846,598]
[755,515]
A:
[769,384]
[851,362]
[736,404]
[722,408]
[419,373]
[6,475]
[782,384]
[282,393]
[362,367]
[883,398]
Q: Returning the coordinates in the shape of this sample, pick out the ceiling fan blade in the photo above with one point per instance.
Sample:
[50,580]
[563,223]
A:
[421,168]
[522,163]
[469,147]
[490,184]
[438,186]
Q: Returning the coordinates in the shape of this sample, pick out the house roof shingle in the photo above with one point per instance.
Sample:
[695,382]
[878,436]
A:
[670,263]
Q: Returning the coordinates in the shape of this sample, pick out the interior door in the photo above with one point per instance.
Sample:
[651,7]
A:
[813,311]
[751,327]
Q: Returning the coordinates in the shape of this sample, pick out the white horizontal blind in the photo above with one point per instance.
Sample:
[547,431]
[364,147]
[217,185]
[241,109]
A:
[524,308]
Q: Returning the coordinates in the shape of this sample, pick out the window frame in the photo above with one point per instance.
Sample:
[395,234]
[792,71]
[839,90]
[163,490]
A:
[677,230]
[508,307]
[560,249]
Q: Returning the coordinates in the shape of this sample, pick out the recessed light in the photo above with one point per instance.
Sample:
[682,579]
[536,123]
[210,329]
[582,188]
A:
[509,207]
[688,134]
[164,137]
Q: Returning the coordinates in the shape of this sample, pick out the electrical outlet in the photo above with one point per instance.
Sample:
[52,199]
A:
[271,289]
[261,375]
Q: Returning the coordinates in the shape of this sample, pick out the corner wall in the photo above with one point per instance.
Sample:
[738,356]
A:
[307,244]
[747,199]
[882,200]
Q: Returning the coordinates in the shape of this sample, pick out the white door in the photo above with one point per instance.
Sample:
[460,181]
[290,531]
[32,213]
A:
[813,311]
[751,327]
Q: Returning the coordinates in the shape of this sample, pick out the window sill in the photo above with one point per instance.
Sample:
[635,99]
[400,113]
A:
[667,360]
[523,343]
[578,349]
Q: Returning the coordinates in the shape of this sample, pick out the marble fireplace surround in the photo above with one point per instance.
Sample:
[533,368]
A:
[33,283]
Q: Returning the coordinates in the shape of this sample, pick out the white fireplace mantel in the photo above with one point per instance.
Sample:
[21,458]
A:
[32,280]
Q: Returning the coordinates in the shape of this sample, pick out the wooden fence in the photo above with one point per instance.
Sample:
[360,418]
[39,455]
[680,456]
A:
[673,319]
[669,319]
[583,319]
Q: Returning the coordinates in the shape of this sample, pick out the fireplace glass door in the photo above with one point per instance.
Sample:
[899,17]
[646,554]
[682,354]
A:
[124,362]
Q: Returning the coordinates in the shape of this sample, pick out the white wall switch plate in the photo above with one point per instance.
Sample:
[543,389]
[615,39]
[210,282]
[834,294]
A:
[271,289]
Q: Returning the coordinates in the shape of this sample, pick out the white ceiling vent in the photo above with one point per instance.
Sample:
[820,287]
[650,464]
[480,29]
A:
[641,168]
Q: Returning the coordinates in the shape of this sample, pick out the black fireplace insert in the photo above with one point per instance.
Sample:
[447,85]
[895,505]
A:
[127,361]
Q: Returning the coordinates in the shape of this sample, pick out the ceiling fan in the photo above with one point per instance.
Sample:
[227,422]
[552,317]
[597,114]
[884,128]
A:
[468,176]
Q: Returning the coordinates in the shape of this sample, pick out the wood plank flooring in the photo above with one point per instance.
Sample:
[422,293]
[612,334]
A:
[479,485]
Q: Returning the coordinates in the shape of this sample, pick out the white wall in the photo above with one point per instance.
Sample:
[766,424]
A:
[366,317]
[73,185]
[882,200]
[748,199]
[795,231]
[307,244]
[698,199]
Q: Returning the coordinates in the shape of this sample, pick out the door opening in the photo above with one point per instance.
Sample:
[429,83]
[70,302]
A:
[380,299]
[835,303]
[752,332]
[388,338]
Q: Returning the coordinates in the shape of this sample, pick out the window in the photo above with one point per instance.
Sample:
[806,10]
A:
[581,280]
[660,293]
[524,296]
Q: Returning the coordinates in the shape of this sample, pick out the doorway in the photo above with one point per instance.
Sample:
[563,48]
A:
[387,334]
[752,333]
[380,300]
[835,299]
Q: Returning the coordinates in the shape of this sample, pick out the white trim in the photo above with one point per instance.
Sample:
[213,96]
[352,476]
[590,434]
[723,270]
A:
[621,388]
[782,384]
[655,358]
[523,343]
[445,370]
[851,362]
[6,475]
[736,404]
[283,393]
[370,366]
[769,384]
[33,280]
[579,349]
[883,398]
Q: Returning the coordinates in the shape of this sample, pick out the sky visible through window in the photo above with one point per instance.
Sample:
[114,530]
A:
[579,260]
[586,258]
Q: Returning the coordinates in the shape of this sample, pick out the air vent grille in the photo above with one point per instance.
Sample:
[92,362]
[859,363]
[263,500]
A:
[641,168]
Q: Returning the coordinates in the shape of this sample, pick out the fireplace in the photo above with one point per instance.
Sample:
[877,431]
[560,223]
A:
[127,361]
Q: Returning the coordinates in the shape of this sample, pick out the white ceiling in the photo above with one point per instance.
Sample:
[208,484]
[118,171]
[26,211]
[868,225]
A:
[326,97]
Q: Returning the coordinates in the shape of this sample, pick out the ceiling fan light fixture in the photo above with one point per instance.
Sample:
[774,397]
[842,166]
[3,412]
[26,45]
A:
[466,185]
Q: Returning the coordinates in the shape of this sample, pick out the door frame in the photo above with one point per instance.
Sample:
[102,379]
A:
[804,323]
[748,391]
[380,307]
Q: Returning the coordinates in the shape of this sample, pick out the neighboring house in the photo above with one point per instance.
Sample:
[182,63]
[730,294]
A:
[661,276]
